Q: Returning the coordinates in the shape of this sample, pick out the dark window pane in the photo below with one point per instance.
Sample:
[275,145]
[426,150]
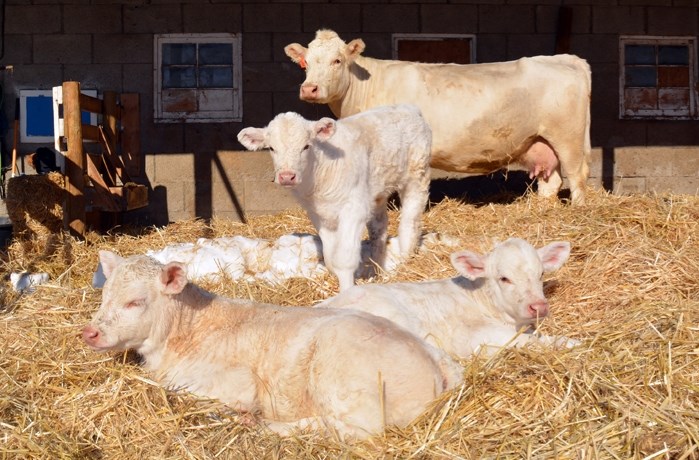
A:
[179,53]
[179,77]
[640,76]
[639,54]
[215,77]
[215,53]
[673,55]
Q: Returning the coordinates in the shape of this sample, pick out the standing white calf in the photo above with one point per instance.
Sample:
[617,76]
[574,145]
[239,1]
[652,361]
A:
[497,295]
[343,173]
[295,367]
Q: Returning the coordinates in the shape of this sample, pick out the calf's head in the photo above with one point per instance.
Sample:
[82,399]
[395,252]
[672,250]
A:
[512,274]
[328,65]
[133,299]
[290,139]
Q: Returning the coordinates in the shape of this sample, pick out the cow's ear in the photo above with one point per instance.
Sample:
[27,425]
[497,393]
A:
[554,255]
[324,128]
[354,48]
[109,261]
[252,138]
[173,278]
[296,52]
[469,264]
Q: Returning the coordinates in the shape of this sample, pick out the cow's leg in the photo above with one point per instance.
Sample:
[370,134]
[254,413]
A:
[577,172]
[574,157]
[413,201]
[549,187]
[377,227]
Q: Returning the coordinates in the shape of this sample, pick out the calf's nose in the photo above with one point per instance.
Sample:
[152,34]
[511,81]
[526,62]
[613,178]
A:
[538,309]
[287,178]
[90,334]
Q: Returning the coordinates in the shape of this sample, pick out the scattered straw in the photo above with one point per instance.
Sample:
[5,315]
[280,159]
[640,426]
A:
[629,292]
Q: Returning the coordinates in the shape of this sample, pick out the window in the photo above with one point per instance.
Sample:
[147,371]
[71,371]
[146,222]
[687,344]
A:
[658,78]
[197,78]
[435,48]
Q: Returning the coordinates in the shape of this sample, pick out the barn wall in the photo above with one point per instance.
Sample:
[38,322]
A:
[108,45]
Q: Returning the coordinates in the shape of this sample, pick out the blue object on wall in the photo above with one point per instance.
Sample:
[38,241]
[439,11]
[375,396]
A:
[40,116]
[36,112]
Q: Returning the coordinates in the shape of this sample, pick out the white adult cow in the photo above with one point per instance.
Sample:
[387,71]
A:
[295,367]
[497,295]
[343,173]
[533,112]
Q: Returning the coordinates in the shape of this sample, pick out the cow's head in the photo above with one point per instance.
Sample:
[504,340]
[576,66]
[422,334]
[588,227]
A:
[290,139]
[512,273]
[133,296]
[327,62]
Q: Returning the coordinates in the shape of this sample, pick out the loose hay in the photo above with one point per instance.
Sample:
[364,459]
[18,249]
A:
[629,292]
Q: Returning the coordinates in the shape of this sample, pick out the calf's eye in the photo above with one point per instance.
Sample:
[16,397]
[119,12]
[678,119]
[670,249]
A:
[306,147]
[504,279]
[135,303]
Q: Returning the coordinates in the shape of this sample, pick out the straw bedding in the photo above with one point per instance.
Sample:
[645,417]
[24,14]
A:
[629,292]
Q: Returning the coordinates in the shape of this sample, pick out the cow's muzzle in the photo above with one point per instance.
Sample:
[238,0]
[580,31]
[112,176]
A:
[308,92]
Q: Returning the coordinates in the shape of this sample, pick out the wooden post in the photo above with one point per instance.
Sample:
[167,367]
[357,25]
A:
[74,209]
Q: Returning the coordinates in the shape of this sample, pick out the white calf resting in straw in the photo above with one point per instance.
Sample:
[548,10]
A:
[496,296]
[343,172]
[294,367]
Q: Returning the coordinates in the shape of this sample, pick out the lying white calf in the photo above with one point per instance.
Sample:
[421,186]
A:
[294,367]
[343,173]
[497,295]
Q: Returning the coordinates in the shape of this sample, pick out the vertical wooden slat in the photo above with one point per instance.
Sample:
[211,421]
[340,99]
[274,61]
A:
[74,209]
[131,134]
[110,117]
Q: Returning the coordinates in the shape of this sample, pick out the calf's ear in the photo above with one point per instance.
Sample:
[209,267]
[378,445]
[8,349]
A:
[296,52]
[554,255]
[109,261]
[469,264]
[173,278]
[324,128]
[252,138]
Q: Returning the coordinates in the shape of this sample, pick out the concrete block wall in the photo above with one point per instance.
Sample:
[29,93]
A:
[247,178]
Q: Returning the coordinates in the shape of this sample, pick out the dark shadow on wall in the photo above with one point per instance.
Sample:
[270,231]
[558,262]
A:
[203,193]
[608,168]
[229,189]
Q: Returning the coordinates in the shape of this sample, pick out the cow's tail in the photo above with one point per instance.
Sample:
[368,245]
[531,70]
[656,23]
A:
[584,67]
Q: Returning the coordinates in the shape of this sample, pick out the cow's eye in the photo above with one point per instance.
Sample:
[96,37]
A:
[306,147]
[337,62]
[504,279]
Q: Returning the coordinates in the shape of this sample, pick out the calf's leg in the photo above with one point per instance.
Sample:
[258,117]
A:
[342,248]
[377,228]
[413,201]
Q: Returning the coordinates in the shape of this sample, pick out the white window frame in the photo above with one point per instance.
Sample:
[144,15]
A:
[658,114]
[432,37]
[233,113]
